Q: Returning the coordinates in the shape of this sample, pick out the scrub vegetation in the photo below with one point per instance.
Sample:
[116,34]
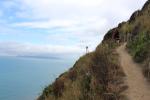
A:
[98,75]
[95,76]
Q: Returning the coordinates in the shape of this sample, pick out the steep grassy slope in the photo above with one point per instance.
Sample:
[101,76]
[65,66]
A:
[98,75]
[95,76]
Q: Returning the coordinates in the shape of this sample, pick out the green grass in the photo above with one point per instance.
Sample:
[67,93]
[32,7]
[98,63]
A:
[139,47]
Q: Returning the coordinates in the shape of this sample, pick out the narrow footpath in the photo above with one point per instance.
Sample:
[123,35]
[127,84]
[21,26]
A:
[138,86]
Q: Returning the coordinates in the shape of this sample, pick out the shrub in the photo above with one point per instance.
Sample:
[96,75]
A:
[86,83]
[58,88]
[139,47]
[72,75]
[48,90]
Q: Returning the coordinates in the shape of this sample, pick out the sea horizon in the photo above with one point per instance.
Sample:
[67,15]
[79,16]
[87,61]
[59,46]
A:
[24,78]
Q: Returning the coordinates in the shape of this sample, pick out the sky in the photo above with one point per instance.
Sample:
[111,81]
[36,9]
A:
[59,28]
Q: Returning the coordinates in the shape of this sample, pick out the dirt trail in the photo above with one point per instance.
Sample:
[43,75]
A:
[138,86]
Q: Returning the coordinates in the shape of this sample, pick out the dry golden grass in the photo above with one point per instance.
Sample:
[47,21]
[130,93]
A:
[92,76]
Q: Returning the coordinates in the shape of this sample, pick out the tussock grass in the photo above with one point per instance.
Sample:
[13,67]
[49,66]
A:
[92,77]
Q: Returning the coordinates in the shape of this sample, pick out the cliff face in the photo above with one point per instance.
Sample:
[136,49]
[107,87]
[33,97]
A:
[98,75]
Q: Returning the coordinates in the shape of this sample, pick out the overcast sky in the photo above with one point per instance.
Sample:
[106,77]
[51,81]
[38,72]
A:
[58,28]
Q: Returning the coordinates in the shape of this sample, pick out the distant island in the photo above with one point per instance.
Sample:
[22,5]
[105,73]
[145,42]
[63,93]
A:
[41,57]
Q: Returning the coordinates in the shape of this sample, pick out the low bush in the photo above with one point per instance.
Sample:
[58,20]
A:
[139,47]
[58,88]
[72,75]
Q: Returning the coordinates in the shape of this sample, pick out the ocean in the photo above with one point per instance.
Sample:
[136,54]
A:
[25,78]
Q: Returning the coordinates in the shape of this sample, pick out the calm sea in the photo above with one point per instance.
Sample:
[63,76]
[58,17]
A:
[25,78]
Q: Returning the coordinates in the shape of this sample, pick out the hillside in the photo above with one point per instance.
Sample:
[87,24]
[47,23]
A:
[98,75]
[136,32]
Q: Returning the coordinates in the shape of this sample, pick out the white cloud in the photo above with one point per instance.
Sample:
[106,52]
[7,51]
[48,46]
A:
[72,32]
[56,9]
[78,23]
[53,13]
[45,24]
[5,29]
[30,50]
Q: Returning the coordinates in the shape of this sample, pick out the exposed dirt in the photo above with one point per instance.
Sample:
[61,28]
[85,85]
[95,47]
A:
[138,86]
